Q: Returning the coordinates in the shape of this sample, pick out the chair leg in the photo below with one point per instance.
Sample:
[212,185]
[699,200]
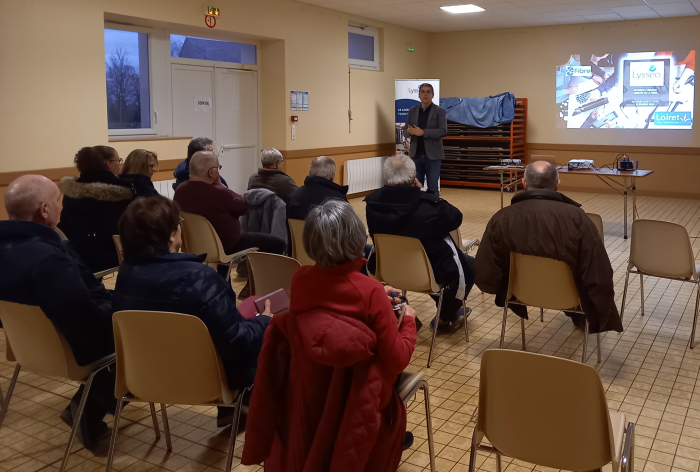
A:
[115,431]
[585,342]
[641,290]
[692,332]
[624,295]
[522,331]
[166,427]
[541,315]
[466,328]
[498,463]
[437,322]
[234,431]
[429,425]
[6,402]
[155,421]
[503,326]
[76,420]
[597,335]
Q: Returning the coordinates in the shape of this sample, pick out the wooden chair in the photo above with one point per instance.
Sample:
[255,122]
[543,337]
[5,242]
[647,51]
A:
[298,252]
[408,385]
[270,272]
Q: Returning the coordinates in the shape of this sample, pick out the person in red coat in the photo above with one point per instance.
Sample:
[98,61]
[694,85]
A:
[324,396]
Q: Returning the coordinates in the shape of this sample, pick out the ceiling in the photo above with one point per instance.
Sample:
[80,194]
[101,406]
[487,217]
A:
[425,15]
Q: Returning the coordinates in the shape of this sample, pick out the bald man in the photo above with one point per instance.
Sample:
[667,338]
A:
[205,195]
[543,222]
[41,270]
[318,187]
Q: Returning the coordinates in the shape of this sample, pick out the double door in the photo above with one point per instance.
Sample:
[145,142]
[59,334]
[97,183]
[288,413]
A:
[221,104]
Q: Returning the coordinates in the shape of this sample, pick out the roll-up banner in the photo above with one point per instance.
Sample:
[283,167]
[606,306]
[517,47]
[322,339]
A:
[406,96]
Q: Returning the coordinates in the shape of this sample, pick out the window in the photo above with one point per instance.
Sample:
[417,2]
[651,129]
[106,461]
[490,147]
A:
[128,81]
[363,47]
[192,47]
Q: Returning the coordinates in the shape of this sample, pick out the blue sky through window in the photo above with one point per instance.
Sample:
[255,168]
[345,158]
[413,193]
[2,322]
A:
[127,40]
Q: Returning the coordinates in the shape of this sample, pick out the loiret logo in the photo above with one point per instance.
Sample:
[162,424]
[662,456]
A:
[673,118]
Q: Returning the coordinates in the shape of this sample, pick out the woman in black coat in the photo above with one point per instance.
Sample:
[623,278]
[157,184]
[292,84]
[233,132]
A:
[92,205]
[139,167]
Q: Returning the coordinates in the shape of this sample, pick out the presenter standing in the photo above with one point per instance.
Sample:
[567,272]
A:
[426,125]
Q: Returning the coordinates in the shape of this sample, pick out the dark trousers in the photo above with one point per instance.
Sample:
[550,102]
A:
[451,304]
[431,169]
[264,243]
[100,400]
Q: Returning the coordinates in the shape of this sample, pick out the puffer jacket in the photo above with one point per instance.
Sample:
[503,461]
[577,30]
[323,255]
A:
[324,397]
[549,224]
[315,191]
[267,213]
[92,206]
[180,283]
[274,180]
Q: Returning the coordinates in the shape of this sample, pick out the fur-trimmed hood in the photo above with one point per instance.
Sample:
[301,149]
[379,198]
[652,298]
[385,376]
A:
[97,190]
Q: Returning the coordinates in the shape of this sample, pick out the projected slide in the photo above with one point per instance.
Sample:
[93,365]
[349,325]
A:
[634,90]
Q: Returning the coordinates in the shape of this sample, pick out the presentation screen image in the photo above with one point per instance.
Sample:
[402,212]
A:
[634,90]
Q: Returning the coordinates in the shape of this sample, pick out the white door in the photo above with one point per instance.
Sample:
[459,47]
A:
[193,101]
[237,126]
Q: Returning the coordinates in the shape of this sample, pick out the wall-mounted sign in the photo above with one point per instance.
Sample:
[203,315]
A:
[210,21]
[299,101]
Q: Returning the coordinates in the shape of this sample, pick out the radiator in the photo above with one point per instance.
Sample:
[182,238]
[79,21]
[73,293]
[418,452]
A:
[165,187]
[362,175]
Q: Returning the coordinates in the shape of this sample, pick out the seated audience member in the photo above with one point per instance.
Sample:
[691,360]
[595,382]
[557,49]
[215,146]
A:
[182,171]
[156,277]
[402,209]
[205,195]
[41,270]
[139,167]
[92,205]
[318,187]
[324,392]
[543,222]
[271,176]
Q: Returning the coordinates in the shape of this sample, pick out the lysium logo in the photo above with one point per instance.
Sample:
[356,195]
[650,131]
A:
[412,91]
[652,67]
[673,118]
[647,75]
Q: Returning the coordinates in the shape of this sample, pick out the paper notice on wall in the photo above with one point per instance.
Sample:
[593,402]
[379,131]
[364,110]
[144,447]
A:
[202,104]
[299,101]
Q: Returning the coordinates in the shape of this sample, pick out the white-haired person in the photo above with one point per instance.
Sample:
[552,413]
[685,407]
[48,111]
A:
[345,348]
[271,176]
[402,209]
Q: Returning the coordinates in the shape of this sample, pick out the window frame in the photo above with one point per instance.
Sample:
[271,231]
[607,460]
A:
[358,63]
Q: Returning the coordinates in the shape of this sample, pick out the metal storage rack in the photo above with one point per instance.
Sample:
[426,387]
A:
[468,150]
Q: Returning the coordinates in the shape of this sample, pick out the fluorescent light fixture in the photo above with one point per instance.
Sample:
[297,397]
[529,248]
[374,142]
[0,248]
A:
[462,9]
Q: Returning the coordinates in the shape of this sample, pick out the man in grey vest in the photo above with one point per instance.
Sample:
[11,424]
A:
[425,126]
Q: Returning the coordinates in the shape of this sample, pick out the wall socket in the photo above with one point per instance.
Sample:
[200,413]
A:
[294,131]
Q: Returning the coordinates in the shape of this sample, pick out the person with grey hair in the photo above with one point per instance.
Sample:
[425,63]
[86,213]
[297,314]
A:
[271,176]
[39,269]
[402,209]
[543,222]
[340,329]
[182,171]
[318,187]
[204,194]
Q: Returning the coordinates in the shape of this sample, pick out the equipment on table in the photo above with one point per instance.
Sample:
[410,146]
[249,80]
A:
[580,164]
[511,162]
[624,163]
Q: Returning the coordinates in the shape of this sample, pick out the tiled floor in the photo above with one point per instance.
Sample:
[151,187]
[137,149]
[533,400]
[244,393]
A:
[648,372]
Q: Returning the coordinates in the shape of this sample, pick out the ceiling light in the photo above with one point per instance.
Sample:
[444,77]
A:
[462,9]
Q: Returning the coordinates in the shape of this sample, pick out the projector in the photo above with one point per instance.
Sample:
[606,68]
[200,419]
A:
[580,164]
[511,162]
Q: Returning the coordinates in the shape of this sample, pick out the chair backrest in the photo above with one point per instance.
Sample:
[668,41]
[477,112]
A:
[403,263]
[270,272]
[120,250]
[598,222]
[167,358]
[36,344]
[298,252]
[542,282]
[200,237]
[61,233]
[543,157]
[661,249]
[457,237]
[544,410]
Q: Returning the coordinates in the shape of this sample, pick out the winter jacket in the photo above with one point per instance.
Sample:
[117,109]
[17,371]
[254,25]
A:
[221,206]
[315,191]
[39,269]
[407,211]
[274,180]
[548,224]
[182,174]
[266,214]
[180,283]
[92,206]
[324,397]
[143,186]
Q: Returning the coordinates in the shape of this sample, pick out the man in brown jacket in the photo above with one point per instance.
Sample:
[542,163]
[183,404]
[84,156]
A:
[543,222]
[271,176]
